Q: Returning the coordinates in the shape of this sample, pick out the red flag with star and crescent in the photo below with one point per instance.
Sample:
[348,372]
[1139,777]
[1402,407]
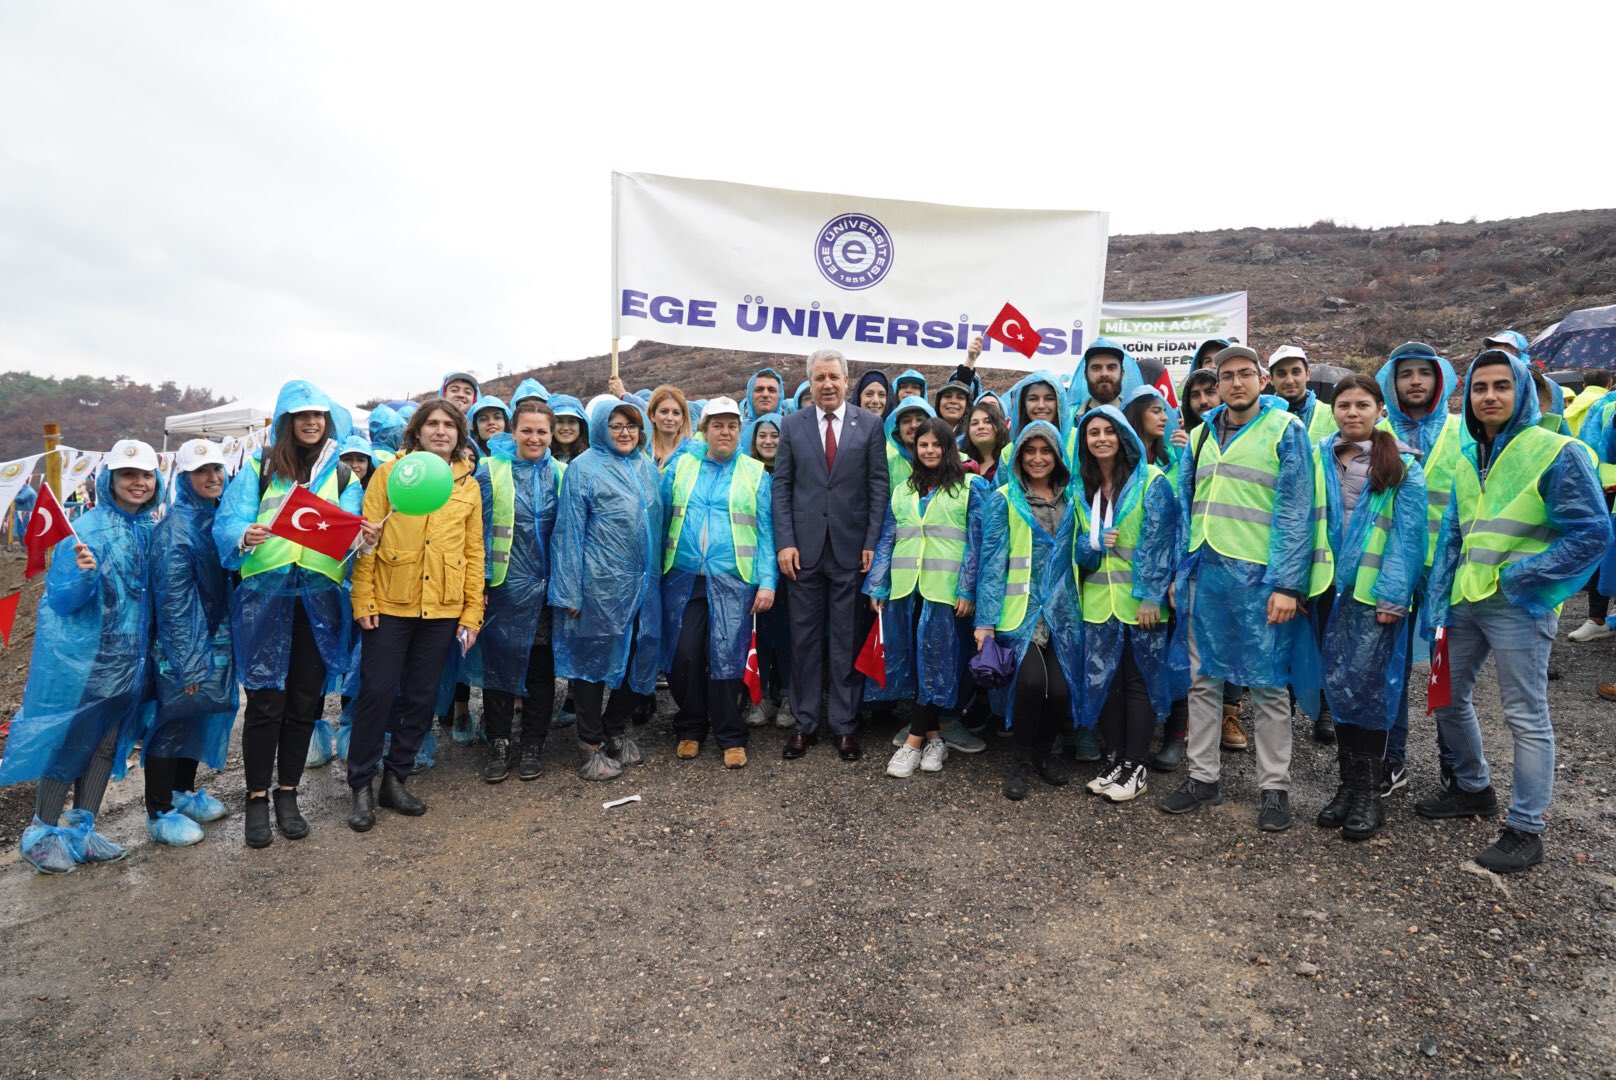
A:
[753,677]
[1012,328]
[872,659]
[307,519]
[47,527]
[1439,690]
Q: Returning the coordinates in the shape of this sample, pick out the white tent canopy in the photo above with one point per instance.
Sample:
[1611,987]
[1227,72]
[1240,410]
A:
[219,422]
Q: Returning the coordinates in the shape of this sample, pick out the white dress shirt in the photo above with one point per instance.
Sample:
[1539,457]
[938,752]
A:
[835,422]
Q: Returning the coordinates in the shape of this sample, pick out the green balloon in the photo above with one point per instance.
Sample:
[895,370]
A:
[420,483]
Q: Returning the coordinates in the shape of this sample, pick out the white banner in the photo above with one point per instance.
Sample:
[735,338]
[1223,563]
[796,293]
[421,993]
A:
[78,466]
[732,266]
[13,475]
[1170,331]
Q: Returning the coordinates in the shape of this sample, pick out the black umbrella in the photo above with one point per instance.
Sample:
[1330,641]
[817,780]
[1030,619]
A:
[1321,379]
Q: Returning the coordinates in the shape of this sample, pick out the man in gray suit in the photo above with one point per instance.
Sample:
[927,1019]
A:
[830,497]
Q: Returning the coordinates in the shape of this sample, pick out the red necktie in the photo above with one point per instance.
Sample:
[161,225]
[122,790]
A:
[830,442]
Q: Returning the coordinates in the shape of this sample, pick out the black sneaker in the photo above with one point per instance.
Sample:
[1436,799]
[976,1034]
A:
[1054,770]
[1512,852]
[1393,778]
[1015,781]
[1456,802]
[1450,782]
[1192,794]
[531,764]
[498,766]
[1274,812]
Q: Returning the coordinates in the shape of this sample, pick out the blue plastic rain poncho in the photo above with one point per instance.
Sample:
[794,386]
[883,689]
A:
[407,410]
[92,648]
[1080,399]
[386,428]
[1364,660]
[912,377]
[516,614]
[1576,510]
[800,398]
[924,646]
[1174,422]
[1015,408]
[567,405]
[606,561]
[898,619]
[1230,613]
[748,409]
[358,444]
[23,504]
[1052,597]
[191,594]
[261,619]
[529,388]
[485,402]
[707,547]
[1420,434]
[1155,559]
[1596,426]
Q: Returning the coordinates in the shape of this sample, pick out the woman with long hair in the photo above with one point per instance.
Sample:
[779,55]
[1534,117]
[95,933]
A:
[761,439]
[924,573]
[986,436]
[415,595]
[670,424]
[290,619]
[1125,548]
[571,434]
[1376,502]
[1027,598]
[489,416]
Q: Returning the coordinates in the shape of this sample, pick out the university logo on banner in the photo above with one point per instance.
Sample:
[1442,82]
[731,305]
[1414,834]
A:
[734,266]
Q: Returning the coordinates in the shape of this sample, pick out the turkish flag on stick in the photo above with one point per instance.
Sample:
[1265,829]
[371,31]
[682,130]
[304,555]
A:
[8,616]
[872,659]
[47,527]
[1012,328]
[1439,691]
[753,677]
[307,519]
[1164,383]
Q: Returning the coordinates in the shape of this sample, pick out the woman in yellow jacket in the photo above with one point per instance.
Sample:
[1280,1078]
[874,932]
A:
[420,589]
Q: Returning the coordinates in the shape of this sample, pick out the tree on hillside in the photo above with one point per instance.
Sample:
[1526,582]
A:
[93,412]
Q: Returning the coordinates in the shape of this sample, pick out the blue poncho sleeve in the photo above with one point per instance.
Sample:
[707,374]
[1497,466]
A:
[878,582]
[970,566]
[1290,544]
[995,560]
[1577,511]
[1155,560]
[183,634]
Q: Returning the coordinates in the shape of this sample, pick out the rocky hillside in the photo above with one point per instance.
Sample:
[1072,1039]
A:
[93,412]
[1348,296]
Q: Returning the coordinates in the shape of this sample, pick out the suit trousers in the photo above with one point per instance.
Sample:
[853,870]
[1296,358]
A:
[824,610]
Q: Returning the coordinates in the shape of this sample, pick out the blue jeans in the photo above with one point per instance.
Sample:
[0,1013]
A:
[1519,644]
[1397,737]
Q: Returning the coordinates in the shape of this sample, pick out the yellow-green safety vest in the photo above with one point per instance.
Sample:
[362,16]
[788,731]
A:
[1383,508]
[1323,422]
[278,551]
[1239,486]
[503,528]
[1018,576]
[743,491]
[930,547]
[1505,520]
[1107,592]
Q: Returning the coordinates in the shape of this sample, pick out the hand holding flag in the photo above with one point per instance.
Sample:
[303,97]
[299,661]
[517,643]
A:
[47,526]
[1012,328]
[309,520]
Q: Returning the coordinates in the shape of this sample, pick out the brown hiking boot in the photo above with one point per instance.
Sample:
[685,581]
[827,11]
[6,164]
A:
[1234,736]
[735,757]
[687,749]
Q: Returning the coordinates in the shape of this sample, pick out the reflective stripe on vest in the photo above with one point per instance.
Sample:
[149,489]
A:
[278,551]
[1439,466]
[1107,592]
[743,490]
[929,549]
[1018,574]
[1383,506]
[503,526]
[1505,520]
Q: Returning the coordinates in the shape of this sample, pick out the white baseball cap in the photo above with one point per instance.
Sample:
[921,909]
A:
[197,453]
[1286,352]
[720,406]
[131,454]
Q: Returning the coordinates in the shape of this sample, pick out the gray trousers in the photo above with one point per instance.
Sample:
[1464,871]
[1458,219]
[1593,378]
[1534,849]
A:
[1272,733]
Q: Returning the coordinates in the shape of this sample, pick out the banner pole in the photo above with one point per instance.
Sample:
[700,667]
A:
[614,358]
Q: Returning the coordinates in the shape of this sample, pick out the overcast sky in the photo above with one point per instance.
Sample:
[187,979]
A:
[230,195]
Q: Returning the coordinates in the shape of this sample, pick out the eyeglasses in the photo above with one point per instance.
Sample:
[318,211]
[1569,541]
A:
[622,429]
[1243,375]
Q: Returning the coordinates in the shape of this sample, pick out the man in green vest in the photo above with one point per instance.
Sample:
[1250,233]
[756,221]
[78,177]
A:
[719,571]
[1248,492]
[1288,369]
[1526,524]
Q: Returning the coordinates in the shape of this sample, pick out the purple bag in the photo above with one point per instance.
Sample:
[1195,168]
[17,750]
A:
[993,665]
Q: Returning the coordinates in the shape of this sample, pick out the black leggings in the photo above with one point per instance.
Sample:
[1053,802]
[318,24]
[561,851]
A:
[1356,740]
[277,724]
[1043,704]
[88,790]
[165,776]
[1127,722]
[925,721]
[499,706]
[596,726]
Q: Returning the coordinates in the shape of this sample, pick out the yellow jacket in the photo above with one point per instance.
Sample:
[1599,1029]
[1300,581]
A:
[424,567]
[1576,408]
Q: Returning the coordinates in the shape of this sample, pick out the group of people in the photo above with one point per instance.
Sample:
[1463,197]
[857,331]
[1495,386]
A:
[1075,563]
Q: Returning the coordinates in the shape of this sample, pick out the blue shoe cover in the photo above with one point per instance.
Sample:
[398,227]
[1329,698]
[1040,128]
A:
[321,745]
[174,829]
[339,745]
[565,719]
[199,806]
[427,756]
[88,845]
[48,848]
[468,729]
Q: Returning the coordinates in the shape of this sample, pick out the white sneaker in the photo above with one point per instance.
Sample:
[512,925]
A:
[784,718]
[1590,631]
[1109,774]
[904,762]
[1131,782]
[756,716]
[932,755]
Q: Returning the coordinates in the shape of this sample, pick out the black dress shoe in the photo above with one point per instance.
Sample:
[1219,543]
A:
[287,818]
[1170,756]
[363,814]
[395,796]
[797,744]
[848,747]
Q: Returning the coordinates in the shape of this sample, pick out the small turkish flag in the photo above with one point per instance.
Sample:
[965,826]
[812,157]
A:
[1439,691]
[1012,328]
[1164,383]
[307,519]
[8,616]
[753,677]
[47,527]
[872,659]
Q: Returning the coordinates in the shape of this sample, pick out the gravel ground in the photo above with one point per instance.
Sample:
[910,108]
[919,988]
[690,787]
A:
[815,918]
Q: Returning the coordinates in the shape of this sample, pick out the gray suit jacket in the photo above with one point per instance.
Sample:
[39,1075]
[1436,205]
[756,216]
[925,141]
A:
[841,511]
